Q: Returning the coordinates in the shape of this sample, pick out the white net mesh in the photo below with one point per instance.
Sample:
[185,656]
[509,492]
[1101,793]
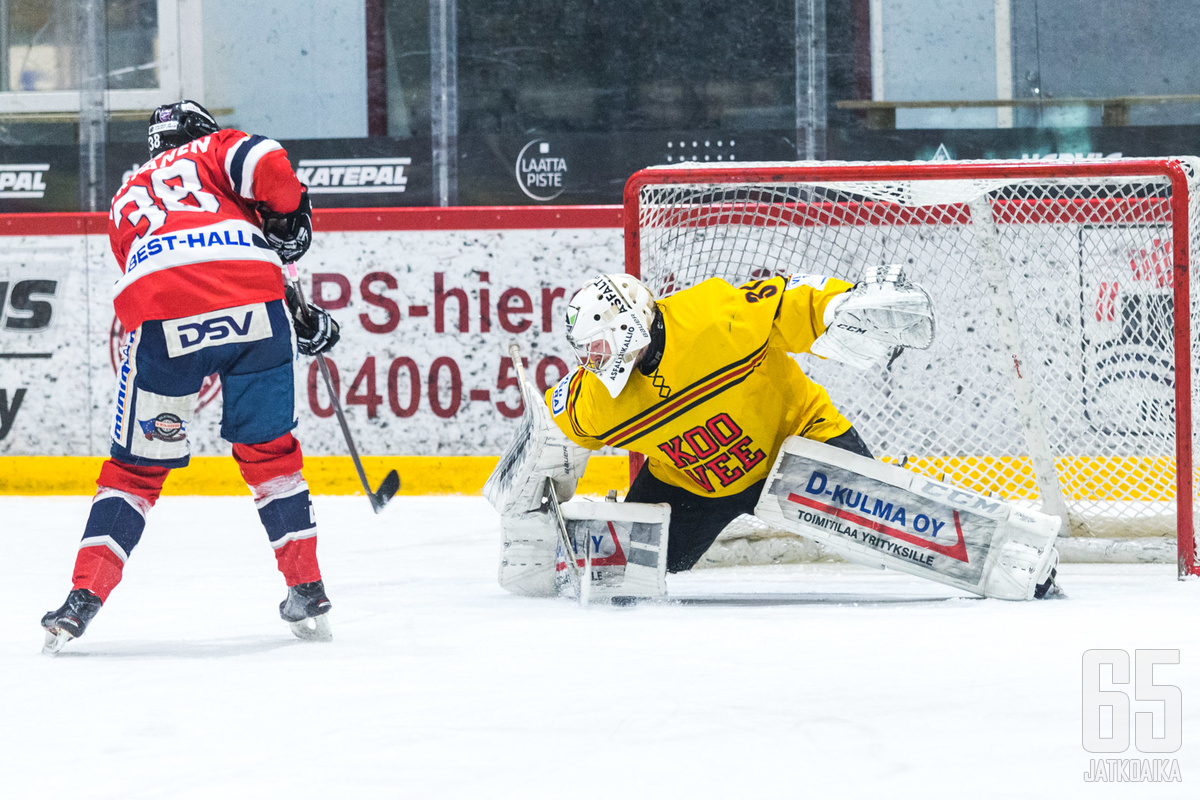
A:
[1086,259]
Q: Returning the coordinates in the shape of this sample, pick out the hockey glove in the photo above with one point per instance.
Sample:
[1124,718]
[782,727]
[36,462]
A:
[882,312]
[316,331]
[538,451]
[289,234]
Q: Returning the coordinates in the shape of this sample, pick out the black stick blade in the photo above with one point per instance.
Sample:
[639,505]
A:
[387,490]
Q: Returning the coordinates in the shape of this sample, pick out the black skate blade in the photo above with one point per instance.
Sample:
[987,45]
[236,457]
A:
[387,490]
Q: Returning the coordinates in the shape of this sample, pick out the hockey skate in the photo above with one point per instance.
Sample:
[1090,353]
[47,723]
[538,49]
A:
[306,610]
[70,620]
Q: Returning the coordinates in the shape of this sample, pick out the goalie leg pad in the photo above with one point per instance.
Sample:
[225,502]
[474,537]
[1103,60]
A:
[881,515]
[529,553]
[625,544]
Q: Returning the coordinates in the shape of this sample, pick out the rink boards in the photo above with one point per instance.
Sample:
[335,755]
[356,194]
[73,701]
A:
[428,300]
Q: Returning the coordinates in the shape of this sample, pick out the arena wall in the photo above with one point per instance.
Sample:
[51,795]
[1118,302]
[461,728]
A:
[428,300]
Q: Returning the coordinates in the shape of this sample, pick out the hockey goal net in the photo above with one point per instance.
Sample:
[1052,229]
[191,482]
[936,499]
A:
[1062,367]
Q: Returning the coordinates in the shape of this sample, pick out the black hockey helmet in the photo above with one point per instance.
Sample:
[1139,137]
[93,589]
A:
[175,124]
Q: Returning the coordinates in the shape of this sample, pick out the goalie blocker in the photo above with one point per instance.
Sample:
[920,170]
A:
[885,516]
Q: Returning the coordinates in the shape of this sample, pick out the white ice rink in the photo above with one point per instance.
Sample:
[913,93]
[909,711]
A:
[835,682]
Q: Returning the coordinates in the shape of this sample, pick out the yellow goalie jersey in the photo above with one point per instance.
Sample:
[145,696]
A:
[713,415]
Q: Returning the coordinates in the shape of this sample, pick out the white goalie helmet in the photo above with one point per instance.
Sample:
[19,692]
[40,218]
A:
[608,326]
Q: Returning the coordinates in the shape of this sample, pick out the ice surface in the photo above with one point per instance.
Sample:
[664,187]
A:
[818,681]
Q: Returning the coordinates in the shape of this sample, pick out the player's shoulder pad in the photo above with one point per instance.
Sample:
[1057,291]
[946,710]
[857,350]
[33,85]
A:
[242,157]
[798,279]
[228,139]
[229,134]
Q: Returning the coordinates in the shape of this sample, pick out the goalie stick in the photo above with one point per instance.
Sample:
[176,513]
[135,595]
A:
[574,573]
[391,482]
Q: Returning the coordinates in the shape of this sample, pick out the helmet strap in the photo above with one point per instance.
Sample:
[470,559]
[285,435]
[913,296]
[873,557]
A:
[651,357]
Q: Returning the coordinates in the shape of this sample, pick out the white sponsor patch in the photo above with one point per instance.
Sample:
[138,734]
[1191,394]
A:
[125,379]
[226,326]
[160,425]
[23,180]
[815,281]
[353,175]
[230,240]
[541,175]
[188,106]
[558,400]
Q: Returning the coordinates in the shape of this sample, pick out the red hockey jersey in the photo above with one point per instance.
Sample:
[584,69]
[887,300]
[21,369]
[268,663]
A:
[185,231]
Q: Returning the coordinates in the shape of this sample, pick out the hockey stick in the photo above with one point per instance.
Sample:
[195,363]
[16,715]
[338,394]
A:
[574,573]
[391,482]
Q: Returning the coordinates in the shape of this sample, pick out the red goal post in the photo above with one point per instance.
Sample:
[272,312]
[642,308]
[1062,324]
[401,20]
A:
[1062,370]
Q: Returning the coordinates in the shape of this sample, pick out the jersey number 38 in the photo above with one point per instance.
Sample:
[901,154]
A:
[173,186]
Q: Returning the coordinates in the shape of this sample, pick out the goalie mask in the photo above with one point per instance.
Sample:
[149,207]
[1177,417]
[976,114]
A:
[175,124]
[608,326]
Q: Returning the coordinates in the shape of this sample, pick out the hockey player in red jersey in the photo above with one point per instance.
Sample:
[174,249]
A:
[201,232]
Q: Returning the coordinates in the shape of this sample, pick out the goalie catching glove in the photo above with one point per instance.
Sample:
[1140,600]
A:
[882,312]
[316,331]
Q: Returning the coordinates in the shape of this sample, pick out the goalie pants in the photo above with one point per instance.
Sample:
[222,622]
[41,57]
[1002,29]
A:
[697,521]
